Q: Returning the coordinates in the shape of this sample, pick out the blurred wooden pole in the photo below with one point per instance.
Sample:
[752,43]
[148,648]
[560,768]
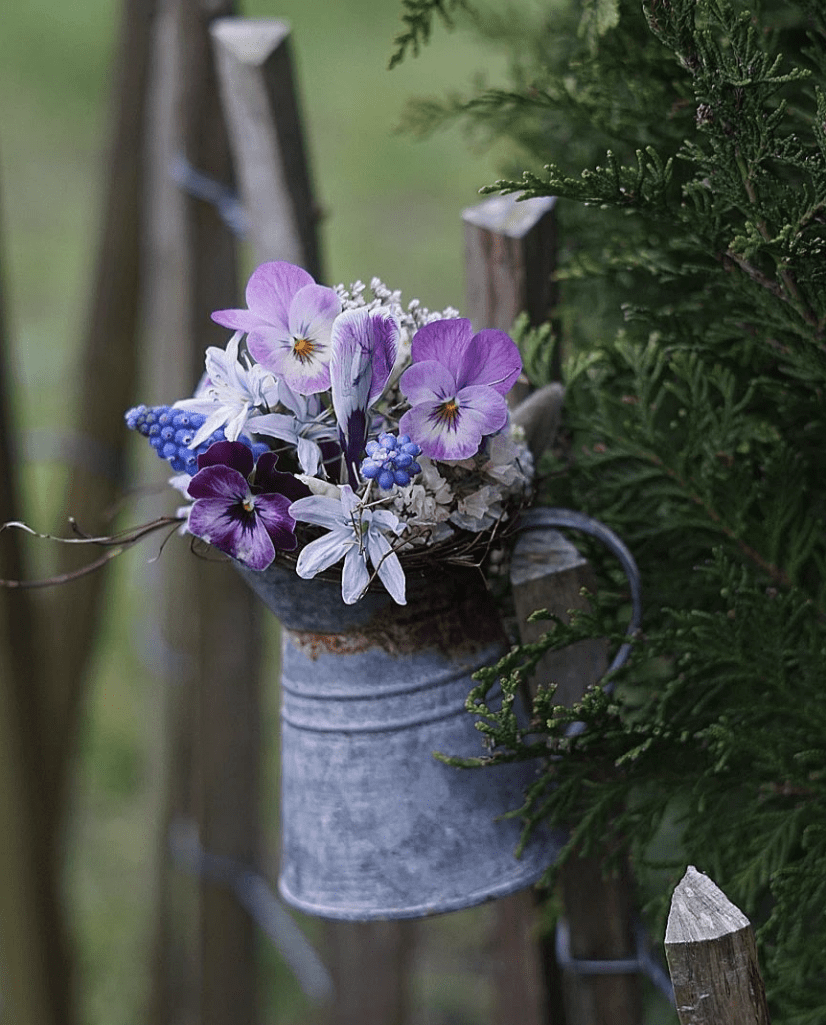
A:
[35,967]
[261,104]
[371,968]
[219,698]
[106,376]
[510,260]
[510,257]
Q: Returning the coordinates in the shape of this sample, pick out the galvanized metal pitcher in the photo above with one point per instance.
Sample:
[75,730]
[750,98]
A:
[373,826]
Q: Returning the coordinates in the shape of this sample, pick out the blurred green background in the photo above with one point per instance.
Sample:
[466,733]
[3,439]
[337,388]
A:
[392,208]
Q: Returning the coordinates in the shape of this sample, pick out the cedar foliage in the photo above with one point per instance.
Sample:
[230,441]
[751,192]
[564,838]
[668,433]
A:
[695,333]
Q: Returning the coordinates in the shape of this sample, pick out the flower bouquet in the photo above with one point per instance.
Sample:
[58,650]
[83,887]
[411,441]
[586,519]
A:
[350,431]
[356,459]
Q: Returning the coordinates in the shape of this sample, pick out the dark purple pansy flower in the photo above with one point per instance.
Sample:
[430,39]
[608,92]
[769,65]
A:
[456,387]
[241,507]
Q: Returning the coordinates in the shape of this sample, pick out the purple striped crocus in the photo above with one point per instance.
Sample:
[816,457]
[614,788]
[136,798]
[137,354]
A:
[364,346]
[456,387]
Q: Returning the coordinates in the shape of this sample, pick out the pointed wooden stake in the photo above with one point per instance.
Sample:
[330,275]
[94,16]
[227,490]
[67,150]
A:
[260,102]
[712,957]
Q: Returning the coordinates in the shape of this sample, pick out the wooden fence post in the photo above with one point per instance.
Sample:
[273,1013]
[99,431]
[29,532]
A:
[370,962]
[262,110]
[712,957]
[107,366]
[548,572]
[510,259]
[214,705]
[36,969]
[510,254]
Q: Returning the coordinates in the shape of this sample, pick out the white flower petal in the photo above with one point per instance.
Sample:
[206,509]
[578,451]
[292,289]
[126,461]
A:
[387,565]
[309,456]
[321,510]
[320,487]
[355,576]
[324,552]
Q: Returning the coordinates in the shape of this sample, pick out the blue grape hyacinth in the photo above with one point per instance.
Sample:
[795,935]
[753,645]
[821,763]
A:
[170,432]
[391,461]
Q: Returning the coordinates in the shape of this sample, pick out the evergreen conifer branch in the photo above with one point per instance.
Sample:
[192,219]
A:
[693,323]
[417,16]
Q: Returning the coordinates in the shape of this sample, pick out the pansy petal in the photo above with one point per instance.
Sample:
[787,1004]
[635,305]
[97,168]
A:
[272,481]
[438,441]
[487,406]
[312,312]
[211,520]
[428,381]
[444,341]
[271,288]
[270,346]
[253,544]
[272,511]
[323,553]
[480,411]
[309,377]
[354,577]
[236,320]
[218,482]
[492,359]
[228,453]
[241,536]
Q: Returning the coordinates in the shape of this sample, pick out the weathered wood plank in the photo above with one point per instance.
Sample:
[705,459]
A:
[548,572]
[106,375]
[266,130]
[213,698]
[712,957]
[370,963]
[35,962]
[510,259]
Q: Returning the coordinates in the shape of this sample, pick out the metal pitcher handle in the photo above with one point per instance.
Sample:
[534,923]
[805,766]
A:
[543,517]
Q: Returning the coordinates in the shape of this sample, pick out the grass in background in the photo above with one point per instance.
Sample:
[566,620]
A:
[392,209]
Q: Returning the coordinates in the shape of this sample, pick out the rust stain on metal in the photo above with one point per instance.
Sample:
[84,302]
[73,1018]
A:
[453,613]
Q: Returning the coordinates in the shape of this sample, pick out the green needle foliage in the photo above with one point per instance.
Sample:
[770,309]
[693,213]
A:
[689,140]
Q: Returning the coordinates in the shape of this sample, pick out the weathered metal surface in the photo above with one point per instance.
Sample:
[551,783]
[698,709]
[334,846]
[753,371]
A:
[373,826]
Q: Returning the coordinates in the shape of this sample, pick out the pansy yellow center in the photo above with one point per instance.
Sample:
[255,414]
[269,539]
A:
[304,349]
[248,505]
[447,413]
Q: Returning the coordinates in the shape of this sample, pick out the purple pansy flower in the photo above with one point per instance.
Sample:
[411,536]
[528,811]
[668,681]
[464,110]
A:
[249,521]
[456,387]
[288,324]
[364,346]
